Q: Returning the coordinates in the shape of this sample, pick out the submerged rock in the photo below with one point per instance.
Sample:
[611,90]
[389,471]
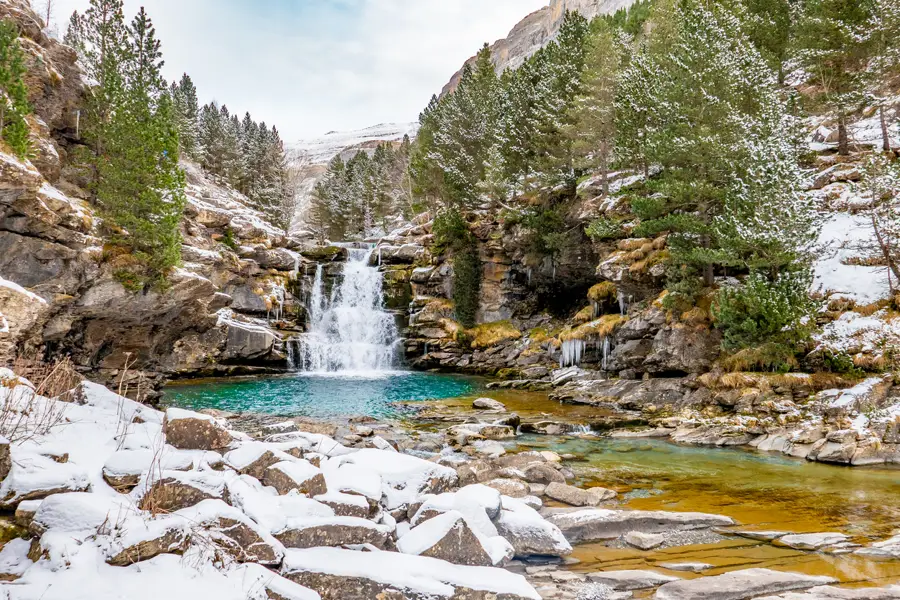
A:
[599,524]
[626,581]
[489,404]
[576,496]
[739,585]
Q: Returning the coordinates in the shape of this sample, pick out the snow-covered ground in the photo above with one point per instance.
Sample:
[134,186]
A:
[321,150]
[839,241]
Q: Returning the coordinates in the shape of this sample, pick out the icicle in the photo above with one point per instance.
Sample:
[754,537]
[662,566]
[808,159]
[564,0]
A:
[572,352]
[606,350]
[623,307]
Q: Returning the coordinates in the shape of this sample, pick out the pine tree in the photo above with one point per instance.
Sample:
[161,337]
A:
[14,102]
[592,124]
[836,43]
[885,28]
[187,115]
[769,24]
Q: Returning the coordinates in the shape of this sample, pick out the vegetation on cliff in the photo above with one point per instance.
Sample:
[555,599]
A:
[14,107]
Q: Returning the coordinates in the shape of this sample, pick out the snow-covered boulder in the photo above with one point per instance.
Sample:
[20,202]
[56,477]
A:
[174,490]
[528,532]
[125,468]
[34,476]
[449,537]
[193,431]
[339,574]
[298,475]
[253,458]
[332,531]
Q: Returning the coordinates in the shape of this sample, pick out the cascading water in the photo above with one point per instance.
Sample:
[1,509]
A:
[350,332]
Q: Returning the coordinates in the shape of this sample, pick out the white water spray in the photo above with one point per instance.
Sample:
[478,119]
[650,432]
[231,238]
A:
[350,332]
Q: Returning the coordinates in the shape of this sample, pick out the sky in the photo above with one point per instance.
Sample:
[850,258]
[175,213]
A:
[314,66]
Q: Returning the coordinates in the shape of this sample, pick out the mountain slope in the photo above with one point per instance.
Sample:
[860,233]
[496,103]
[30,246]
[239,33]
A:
[538,29]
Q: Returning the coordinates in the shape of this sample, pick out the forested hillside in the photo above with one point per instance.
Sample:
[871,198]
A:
[679,127]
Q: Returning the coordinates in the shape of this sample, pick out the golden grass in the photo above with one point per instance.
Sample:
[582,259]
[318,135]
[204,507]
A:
[597,329]
[491,334]
[868,310]
[632,243]
[695,316]
[660,242]
[602,292]
[584,315]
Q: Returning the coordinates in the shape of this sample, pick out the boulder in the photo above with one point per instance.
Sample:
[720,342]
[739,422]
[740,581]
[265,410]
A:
[338,574]
[247,342]
[5,458]
[833,593]
[599,524]
[254,458]
[188,430]
[175,490]
[528,532]
[576,496]
[34,476]
[644,541]
[739,585]
[489,404]
[509,487]
[334,531]
[125,469]
[298,475]
[626,581]
[447,537]
[543,474]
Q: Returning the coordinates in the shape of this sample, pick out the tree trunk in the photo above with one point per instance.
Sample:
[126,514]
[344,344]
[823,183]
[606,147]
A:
[843,137]
[885,134]
[604,168]
[885,246]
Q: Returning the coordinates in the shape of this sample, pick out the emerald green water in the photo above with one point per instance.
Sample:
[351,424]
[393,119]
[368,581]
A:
[320,396]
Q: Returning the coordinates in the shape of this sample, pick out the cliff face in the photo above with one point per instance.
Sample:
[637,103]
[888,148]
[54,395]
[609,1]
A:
[58,290]
[537,30]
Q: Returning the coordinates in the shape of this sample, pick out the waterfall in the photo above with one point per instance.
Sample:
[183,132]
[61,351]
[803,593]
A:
[350,332]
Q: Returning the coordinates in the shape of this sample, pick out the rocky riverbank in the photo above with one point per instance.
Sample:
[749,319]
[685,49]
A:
[177,502]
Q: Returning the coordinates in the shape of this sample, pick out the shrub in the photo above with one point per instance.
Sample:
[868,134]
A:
[604,229]
[766,321]
[452,235]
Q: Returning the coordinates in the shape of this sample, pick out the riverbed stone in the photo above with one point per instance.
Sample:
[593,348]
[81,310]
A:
[833,593]
[626,581]
[811,541]
[509,487]
[489,404]
[601,524]
[447,537]
[739,585]
[175,490]
[336,531]
[542,473]
[687,567]
[644,541]
[574,496]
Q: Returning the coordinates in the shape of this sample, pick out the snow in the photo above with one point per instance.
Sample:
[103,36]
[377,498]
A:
[271,511]
[419,574]
[424,536]
[250,452]
[856,393]
[348,477]
[321,150]
[840,236]
[852,331]
[136,462]
[298,470]
[477,503]
[34,474]
[80,512]
[18,289]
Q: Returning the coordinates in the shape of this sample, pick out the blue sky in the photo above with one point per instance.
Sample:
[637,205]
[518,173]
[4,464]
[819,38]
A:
[312,66]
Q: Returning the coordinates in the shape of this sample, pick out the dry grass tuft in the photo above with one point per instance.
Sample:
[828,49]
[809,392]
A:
[632,243]
[584,315]
[25,412]
[491,334]
[595,330]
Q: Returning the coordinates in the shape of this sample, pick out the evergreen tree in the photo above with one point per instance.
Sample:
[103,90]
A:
[769,24]
[592,121]
[836,42]
[187,115]
[885,28]
[14,101]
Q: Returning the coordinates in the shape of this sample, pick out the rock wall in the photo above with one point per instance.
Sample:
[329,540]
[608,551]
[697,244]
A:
[59,294]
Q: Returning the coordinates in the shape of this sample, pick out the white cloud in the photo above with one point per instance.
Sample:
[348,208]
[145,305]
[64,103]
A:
[310,66]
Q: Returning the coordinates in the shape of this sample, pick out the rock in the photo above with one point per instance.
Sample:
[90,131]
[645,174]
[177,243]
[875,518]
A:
[188,430]
[626,581]
[811,541]
[576,496]
[14,560]
[739,585]
[447,537]
[5,458]
[543,474]
[338,574]
[255,458]
[25,512]
[175,490]
[489,404]
[335,531]
[762,536]
[599,524]
[247,342]
[833,593]
[125,469]
[687,567]
[889,548]
[509,487]
[34,476]
[299,475]
[644,541]
[529,533]
[137,541]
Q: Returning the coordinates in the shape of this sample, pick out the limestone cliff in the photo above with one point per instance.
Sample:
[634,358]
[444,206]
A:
[537,30]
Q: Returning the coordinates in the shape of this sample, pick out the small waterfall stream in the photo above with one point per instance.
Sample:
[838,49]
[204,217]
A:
[350,332]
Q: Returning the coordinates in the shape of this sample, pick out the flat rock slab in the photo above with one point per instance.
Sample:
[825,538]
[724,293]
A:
[739,585]
[687,567]
[600,524]
[833,593]
[762,536]
[626,581]
[811,541]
